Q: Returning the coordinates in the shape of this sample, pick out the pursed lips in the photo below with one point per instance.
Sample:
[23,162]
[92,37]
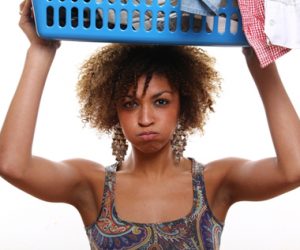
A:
[148,135]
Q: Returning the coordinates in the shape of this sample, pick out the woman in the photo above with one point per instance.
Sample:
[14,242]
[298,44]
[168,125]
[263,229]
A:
[179,204]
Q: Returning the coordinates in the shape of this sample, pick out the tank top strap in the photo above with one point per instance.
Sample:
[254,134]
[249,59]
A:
[108,192]
[197,168]
[110,178]
[200,199]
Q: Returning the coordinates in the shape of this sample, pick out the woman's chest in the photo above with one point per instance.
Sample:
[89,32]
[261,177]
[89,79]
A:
[153,202]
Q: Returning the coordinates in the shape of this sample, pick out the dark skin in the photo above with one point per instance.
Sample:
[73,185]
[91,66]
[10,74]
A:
[165,190]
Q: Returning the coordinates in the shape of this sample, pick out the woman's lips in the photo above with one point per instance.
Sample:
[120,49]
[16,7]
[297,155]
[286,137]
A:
[147,136]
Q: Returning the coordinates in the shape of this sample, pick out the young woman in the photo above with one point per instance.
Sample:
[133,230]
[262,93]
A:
[152,97]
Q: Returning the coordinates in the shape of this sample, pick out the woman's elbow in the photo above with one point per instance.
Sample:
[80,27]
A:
[9,168]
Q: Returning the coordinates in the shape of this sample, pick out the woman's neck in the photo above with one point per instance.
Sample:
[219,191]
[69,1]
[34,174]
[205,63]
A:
[154,165]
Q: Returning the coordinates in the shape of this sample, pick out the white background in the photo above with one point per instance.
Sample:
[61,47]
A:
[238,128]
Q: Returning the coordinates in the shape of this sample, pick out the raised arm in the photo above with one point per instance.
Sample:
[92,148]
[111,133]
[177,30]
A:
[266,178]
[284,123]
[52,181]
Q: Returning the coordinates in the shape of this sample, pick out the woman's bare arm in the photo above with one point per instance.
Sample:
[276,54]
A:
[48,180]
[266,178]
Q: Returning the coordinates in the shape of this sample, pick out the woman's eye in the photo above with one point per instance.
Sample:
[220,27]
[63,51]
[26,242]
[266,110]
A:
[161,102]
[130,105]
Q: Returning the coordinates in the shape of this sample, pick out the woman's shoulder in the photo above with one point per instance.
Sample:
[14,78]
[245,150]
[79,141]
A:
[224,164]
[217,171]
[85,165]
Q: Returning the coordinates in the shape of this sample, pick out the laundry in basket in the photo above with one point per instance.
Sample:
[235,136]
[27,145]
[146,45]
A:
[137,21]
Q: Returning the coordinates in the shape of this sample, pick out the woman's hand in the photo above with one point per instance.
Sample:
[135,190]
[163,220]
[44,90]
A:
[27,24]
[262,76]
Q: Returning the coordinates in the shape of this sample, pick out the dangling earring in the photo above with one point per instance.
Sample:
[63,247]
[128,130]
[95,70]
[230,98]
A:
[178,142]
[119,144]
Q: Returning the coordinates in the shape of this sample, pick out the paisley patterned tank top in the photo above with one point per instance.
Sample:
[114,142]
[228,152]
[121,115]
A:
[198,230]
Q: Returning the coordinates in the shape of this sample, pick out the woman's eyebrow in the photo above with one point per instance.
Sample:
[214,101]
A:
[161,93]
[128,96]
[153,97]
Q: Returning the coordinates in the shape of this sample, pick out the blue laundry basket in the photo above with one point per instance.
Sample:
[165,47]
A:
[137,21]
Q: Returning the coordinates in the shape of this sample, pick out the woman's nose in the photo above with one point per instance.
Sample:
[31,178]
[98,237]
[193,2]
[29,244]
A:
[146,116]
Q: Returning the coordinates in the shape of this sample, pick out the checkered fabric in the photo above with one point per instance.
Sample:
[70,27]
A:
[253,17]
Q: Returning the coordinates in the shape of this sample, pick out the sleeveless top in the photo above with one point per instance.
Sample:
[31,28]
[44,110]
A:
[198,230]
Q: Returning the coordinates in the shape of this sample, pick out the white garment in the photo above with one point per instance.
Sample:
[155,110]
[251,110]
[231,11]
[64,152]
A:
[282,22]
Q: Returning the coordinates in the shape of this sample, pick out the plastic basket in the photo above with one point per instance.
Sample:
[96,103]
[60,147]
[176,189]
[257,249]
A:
[137,21]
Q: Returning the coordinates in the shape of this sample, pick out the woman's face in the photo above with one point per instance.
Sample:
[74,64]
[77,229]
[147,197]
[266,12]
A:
[148,120]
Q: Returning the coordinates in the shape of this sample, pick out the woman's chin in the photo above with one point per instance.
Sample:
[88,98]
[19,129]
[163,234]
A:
[150,148]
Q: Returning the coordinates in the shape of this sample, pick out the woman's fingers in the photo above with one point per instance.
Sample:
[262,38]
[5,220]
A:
[25,9]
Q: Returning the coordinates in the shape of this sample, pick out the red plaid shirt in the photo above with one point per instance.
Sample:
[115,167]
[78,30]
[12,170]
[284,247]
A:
[253,17]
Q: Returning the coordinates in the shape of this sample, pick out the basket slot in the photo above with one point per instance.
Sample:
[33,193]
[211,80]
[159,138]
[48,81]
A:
[234,23]
[197,24]
[172,21]
[112,18]
[50,16]
[86,17]
[62,16]
[210,24]
[148,17]
[222,23]
[74,17]
[124,19]
[135,19]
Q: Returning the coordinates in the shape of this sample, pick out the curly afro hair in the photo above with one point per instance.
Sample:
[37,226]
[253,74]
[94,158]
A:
[111,71]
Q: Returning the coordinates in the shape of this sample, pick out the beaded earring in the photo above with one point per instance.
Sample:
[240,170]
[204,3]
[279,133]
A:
[119,144]
[178,142]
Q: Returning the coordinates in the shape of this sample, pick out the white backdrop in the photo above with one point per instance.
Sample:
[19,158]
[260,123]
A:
[238,128]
